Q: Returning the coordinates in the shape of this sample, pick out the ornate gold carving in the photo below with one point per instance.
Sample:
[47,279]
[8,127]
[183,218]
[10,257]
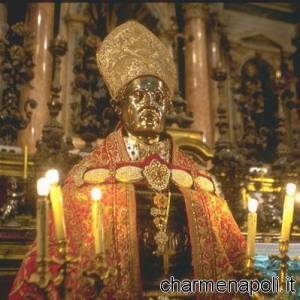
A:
[196,11]
[96,176]
[160,213]
[16,71]
[204,183]
[132,51]
[129,174]
[157,175]
[182,178]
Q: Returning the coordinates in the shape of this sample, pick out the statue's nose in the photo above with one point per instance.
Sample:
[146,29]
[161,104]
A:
[149,99]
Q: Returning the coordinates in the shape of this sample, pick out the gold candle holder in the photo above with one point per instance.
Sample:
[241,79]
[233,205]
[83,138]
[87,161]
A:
[100,276]
[64,260]
[42,278]
[248,271]
[283,258]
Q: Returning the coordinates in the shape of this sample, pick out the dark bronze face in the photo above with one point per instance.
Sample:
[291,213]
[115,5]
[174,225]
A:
[144,106]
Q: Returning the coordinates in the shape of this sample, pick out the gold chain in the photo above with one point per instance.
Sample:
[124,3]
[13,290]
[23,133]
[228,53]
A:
[160,212]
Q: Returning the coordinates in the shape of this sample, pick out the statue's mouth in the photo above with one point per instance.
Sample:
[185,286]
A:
[149,113]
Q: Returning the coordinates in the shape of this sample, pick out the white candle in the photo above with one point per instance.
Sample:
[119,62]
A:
[25,171]
[252,224]
[297,198]
[97,220]
[43,188]
[278,74]
[57,204]
[288,211]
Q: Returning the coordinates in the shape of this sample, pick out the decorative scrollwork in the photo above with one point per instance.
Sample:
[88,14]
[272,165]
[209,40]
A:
[52,149]
[93,117]
[16,69]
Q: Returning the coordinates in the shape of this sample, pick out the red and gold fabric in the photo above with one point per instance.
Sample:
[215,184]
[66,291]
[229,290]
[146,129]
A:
[217,244]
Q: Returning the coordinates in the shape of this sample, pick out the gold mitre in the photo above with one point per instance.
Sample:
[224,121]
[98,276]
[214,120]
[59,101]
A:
[131,51]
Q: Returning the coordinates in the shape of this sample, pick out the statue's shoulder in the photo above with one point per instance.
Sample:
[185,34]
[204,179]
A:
[201,176]
[185,161]
[97,158]
[101,160]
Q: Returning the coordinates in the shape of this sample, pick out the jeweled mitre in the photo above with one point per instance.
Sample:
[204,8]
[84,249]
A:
[131,51]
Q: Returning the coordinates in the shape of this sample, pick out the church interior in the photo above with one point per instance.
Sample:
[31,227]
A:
[235,112]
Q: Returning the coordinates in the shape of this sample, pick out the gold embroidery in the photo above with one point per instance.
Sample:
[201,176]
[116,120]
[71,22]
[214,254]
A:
[78,175]
[157,175]
[131,51]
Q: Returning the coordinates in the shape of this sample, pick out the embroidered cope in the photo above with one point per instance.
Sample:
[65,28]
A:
[217,246]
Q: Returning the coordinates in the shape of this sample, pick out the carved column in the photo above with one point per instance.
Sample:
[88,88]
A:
[72,26]
[196,69]
[39,18]
[64,66]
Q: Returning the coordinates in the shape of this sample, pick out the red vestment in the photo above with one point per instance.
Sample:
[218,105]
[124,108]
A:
[216,242]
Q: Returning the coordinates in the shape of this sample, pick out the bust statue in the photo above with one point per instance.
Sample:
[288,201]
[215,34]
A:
[162,213]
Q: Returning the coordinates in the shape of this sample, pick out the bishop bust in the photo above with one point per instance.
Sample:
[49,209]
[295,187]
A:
[162,214]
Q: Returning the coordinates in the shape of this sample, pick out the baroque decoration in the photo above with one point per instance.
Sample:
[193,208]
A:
[93,117]
[52,149]
[16,67]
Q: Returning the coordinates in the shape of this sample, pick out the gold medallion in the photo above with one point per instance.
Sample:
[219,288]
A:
[182,178]
[96,176]
[205,184]
[157,175]
[129,174]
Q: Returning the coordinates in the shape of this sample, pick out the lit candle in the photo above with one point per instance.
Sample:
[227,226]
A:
[25,162]
[214,54]
[288,211]
[57,204]
[297,197]
[97,219]
[43,188]
[278,74]
[252,223]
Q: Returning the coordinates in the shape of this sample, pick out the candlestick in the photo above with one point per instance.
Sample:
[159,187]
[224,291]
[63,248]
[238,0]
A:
[57,204]
[288,211]
[97,219]
[43,187]
[252,223]
[25,162]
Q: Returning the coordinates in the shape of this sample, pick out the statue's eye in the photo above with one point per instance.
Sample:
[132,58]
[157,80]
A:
[159,97]
[138,95]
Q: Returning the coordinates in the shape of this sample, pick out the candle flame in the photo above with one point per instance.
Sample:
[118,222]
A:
[52,176]
[278,74]
[96,193]
[252,205]
[43,187]
[291,189]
